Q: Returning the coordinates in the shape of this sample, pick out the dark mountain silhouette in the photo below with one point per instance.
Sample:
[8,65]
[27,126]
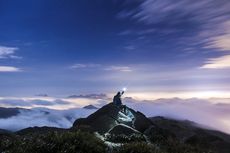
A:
[90,107]
[116,126]
[42,95]
[9,112]
[90,96]
[2,131]
[110,121]
[184,129]
[111,129]
[191,133]
[39,130]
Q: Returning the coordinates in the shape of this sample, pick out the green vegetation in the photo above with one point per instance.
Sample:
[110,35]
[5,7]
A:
[138,147]
[122,138]
[85,142]
[143,147]
[170,144]
[53,142]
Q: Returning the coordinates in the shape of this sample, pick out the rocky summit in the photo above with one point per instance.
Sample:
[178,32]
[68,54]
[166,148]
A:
[111,120]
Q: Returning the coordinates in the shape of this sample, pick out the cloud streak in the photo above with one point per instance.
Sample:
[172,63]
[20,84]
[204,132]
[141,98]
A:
[208,20]
[169,12]
[217,63]
[83,66]
[9,69]
[119,68]
[8,52]
[115,68]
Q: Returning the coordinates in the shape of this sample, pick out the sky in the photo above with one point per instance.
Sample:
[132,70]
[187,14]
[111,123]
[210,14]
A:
[155,48]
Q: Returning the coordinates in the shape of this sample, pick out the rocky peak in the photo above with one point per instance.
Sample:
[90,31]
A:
[111,120]
[90,107]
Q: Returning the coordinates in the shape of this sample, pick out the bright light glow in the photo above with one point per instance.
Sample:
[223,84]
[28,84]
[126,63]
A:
[124,89]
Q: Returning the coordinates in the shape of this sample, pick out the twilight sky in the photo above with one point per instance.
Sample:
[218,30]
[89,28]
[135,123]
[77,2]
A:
[157,48]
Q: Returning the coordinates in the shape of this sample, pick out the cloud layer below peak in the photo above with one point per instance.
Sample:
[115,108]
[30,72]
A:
[212,113]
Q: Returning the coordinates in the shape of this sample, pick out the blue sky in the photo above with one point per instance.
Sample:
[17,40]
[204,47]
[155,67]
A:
[154,47]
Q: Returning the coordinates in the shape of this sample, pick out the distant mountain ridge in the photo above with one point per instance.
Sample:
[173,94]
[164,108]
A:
[90,96]
[9,112]
[90,107]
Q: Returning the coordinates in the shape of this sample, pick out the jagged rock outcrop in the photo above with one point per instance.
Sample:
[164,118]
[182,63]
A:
[110,118]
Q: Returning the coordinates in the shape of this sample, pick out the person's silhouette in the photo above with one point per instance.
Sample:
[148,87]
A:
[117,101]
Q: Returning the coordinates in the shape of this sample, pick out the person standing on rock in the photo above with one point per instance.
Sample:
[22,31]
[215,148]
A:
[117,98]
[117,101]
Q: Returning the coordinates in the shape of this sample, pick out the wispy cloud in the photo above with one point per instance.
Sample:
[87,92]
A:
[8,52]
[81,65]
[102,67]
[206,15]
[221,41]
[9,69]
[130,47]
[119,68]
[208,20]
[217,63]
[156,11]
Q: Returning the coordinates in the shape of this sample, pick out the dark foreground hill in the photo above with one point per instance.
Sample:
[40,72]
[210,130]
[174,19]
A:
[113,130]
[191,133]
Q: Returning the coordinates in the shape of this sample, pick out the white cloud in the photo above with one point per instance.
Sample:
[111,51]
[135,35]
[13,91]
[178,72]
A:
[217,63]
[75,101]
[76,66]
[206,112]
[43,117]
[119,68]
[9,69]
[220,41]
[102,67]
[8,52]
[81,65]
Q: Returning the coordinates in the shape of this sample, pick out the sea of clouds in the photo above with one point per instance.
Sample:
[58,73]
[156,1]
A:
[204,112]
